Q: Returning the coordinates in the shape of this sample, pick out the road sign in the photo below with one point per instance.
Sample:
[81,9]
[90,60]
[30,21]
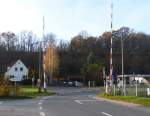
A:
[15,79]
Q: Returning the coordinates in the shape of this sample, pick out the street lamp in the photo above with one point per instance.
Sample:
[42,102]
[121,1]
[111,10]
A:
[40,78]
[122,63]
[44,73]
[42,50]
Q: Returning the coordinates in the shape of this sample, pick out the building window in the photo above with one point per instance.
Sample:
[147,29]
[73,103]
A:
[16,68]
[11,76]
[24,76]
[21,69]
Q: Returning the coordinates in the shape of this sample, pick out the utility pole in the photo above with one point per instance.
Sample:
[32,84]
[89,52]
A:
[51,78]
[105,80]
[136,88]
[44,52]
[39,79]
[111,59]
[122,60]
[104,76]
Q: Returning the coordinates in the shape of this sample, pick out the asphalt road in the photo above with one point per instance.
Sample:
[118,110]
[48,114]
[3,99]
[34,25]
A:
[69,102]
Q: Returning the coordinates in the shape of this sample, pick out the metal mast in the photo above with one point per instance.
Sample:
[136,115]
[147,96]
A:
[44,52]
[111,59]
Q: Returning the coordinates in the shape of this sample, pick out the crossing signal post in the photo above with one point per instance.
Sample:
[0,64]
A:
[114,79]
[111,59]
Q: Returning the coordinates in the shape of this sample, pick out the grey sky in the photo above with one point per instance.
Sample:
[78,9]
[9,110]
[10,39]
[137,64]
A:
[66,18]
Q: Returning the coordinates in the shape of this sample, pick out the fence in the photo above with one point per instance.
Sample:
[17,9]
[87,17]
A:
[142,90]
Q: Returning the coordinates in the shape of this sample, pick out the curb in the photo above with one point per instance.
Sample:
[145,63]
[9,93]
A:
[119,102]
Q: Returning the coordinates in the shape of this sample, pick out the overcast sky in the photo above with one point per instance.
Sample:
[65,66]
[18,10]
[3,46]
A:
[66,18]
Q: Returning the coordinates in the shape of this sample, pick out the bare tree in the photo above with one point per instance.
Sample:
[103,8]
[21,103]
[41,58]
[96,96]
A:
[84,34]
[2,43]
[10,40]
[49,40]
[27,40]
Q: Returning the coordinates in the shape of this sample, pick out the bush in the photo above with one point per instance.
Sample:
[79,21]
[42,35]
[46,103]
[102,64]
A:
[9,91]
[4,81]
[6,89]
[118,92]
[26,82]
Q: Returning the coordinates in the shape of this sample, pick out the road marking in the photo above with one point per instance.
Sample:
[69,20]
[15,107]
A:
[40,103]
[106,114]
[77,101]
[41,100]
[80,101]
[91,96]
[1,102]
[89,100]
[42,114]
[40,108]
[44,98]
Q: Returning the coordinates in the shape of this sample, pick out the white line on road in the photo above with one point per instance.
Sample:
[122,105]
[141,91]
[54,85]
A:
[44,98]
[40,103]
[91,96]
[1,102]
[106,114]
[41,100]
[40,108]
[89,100]
[42,114]
[77,101]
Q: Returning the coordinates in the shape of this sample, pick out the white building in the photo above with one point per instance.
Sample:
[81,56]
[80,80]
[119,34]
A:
[17,72]
[132,78]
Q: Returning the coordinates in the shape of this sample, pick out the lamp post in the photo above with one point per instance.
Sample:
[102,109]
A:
[42,51]
[122,63]
[40,78]
[111,51]
[44,73]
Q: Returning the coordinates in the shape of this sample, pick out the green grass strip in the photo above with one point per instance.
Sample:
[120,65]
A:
[27,93]
[131,99]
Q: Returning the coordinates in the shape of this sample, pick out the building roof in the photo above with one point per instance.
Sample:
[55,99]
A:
[134,75]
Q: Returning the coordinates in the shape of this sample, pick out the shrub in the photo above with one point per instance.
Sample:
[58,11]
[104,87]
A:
[7,89]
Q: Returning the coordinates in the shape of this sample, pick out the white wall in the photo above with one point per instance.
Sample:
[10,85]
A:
[18,73]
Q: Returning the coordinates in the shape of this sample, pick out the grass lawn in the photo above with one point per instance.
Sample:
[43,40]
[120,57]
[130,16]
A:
[27,93]
[131,99]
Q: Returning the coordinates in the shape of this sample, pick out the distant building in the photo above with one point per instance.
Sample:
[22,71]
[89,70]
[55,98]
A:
[132,78]
[17,72]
